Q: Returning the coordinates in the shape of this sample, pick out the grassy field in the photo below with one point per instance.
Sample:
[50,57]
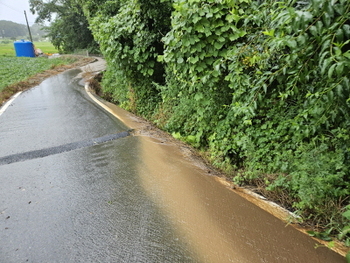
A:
[8,50]
[46,47]
[16,69]
[22,73]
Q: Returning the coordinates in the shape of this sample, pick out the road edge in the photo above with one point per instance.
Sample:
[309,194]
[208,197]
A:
[8,103]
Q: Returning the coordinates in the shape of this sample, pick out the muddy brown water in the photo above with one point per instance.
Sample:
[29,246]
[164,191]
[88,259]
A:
[219,224]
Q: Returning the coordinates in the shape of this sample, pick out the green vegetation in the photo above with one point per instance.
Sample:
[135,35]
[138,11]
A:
[264,88]
[46,47]
[261,87]
[14,69]
[133,55]
[7,48]
[69,30]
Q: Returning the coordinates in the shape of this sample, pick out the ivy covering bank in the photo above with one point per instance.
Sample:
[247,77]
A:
[262,87]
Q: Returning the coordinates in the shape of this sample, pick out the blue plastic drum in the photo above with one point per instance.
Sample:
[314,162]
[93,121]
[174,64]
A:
[24,48]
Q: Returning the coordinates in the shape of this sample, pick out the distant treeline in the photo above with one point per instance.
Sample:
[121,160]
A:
[10,29]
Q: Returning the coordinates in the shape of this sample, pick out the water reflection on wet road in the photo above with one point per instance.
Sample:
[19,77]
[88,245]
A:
[132,199]
[79,206]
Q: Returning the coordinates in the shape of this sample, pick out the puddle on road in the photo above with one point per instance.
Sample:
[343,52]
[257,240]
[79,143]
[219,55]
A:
[219,224]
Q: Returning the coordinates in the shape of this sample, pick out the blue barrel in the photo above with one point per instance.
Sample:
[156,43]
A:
[24,48]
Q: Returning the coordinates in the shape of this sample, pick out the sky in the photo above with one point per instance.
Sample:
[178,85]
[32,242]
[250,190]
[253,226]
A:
[13,10]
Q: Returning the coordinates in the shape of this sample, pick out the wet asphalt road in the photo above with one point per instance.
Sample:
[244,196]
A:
[76,187]
[80,204]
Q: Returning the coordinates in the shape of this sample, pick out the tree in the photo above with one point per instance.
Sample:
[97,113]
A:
[69,29]
[129,33]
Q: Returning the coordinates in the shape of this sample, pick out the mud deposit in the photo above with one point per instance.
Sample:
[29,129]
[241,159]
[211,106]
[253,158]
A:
[221,224]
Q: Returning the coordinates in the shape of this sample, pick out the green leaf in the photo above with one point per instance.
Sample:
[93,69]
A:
[233,17]
[346,214]
[196,18]
[330,97]
[326,19]
[337,51]
[219,45]
[339,9]
[347,54]
[313,30]
[160,58]
[191,139]
[193,60]
[292,43]
[221,39]
[150,71]
[331,70]
[325,62]
[346,29]
[311,233]
[340,68]
[270,33]
[339,90]
[326,45]
[301,39]
[344,232]
[346,82]
[176,135]
[180,60]
[198,96]
[320,27]
[339,35]
[265,88]
[233,37]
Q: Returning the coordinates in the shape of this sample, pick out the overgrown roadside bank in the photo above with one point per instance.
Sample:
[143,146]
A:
[261,88]
[253,192]
[30,78]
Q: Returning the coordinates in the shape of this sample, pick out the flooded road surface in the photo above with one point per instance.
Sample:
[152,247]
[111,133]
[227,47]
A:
[122,199]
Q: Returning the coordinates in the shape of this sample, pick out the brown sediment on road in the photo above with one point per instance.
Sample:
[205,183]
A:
[33,81]
[223,222]
[220,224]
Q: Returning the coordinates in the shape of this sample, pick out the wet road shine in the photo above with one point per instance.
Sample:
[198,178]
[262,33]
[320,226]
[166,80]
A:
[127,199]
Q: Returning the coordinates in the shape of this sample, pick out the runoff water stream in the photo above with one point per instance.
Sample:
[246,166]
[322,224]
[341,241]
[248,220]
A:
[137,198]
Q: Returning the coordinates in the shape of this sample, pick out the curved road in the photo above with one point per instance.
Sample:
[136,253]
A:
[76,187]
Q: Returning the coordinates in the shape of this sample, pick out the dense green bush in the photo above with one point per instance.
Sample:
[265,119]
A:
[130,40]
[262,86]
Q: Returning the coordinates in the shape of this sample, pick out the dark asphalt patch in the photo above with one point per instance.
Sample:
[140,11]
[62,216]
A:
[20,157]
